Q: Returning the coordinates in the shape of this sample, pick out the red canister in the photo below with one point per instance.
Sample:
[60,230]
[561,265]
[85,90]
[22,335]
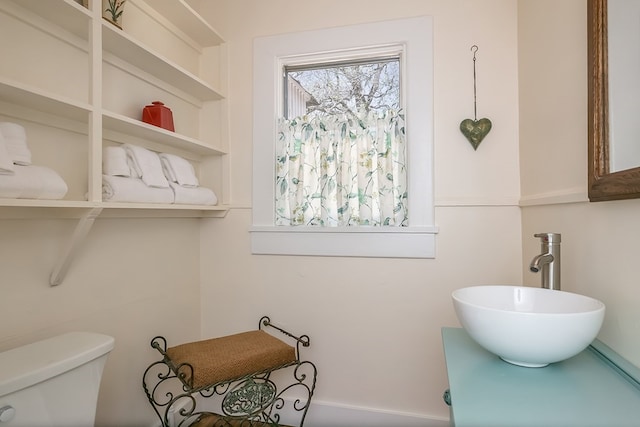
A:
[158,114]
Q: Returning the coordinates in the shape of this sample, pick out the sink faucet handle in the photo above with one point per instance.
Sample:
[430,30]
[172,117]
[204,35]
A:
[550,238]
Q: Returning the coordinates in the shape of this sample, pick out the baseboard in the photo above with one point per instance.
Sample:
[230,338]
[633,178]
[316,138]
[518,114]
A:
[325,414]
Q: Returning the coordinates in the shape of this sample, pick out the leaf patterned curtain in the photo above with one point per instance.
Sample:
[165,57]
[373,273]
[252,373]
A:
[342,171]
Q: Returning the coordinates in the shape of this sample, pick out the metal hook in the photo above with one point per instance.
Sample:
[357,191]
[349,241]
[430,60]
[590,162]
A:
[474,49]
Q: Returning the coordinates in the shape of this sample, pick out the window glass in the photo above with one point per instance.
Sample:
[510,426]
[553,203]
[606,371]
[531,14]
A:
[342,88]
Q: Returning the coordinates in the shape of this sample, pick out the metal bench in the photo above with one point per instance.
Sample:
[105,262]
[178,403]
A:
[232,377]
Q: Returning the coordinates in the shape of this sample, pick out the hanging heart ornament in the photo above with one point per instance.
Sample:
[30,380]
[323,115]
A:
[475,130]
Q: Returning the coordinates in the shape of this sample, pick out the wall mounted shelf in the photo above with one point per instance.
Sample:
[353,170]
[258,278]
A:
[117,123]
[188,20]
[68,21]
[64,13]
[23,95]
[87,91]
[117,42]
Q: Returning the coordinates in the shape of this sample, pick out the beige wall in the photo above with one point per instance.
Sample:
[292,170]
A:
[552,70]
[375,323]
[599,240]
[133,279]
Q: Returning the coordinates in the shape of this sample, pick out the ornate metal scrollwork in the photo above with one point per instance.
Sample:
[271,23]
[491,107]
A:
[254,400]
[249,397]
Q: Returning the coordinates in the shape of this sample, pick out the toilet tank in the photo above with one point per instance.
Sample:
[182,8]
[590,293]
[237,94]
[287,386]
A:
[53,382]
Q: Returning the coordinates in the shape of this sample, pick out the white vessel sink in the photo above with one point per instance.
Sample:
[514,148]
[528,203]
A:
[528,326]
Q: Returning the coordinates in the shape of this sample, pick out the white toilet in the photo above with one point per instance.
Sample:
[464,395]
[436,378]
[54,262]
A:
[54,382]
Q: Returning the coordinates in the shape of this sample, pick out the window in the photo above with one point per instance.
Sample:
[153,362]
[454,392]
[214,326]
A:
[341,145]
[291,72]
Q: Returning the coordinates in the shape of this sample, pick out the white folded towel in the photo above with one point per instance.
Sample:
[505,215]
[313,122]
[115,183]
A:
[193,195]
[179,170]
[15,139]
[6,162]
[123,189]
[114,162]
[134,172]
[32,182]
[146,164]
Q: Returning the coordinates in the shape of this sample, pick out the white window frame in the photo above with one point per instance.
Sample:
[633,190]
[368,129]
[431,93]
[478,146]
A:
[412,38]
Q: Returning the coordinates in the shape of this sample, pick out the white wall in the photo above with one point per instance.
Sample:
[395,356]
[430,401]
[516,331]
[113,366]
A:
[133,279]
[599,240]
[375,323]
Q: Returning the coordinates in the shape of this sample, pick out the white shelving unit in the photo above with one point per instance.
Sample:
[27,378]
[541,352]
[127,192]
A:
[77,83]
[117,72]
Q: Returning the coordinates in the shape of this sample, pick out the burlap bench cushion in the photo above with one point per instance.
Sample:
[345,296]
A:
[235,356]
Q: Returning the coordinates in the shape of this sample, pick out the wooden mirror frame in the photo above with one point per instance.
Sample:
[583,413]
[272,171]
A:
[603,185]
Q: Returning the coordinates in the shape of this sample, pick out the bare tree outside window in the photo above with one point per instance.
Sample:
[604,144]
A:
[344,89]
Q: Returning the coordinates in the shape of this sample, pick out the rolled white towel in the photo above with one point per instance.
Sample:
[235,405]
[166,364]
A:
[179,170]
[123,189]
[193,195]
[6,162]
[146,164]
[33,182]
[114,162]
[15,138]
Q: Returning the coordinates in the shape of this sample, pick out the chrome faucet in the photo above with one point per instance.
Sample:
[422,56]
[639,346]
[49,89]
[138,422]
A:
[548,261]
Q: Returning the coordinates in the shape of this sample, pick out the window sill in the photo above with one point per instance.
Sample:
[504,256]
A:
[410,242]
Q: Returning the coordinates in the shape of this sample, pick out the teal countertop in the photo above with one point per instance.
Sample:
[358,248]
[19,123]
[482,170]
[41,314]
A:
[595,388]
